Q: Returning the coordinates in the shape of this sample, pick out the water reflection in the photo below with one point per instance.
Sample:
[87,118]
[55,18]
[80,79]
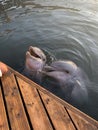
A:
[6,5]
[12,4]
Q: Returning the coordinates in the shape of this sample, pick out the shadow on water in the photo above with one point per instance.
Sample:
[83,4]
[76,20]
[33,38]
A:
[63,29]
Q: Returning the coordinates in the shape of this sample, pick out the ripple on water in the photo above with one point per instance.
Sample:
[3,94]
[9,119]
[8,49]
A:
[63,29]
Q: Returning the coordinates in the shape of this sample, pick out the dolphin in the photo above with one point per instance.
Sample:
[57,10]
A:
[64,78]
[34,63]
[68,78]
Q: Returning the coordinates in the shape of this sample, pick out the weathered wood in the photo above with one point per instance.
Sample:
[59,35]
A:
[15,108]
[37,114]
[57,99]
[80,122]
[3,117]
[40,109]
[57,113]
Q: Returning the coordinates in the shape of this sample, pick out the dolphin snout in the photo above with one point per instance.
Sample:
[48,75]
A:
[38,53]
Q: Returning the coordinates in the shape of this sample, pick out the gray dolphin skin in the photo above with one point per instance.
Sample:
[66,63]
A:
[71,80]
[63,76]
[34,63]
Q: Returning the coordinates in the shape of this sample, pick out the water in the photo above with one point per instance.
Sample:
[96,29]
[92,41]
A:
[64,29]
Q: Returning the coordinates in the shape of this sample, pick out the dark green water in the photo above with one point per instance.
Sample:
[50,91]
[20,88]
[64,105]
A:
[64,29]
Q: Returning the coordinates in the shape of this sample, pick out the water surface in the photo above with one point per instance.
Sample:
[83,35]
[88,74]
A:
[64,29]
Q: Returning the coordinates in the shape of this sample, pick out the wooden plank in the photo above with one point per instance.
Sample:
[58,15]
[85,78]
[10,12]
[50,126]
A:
[57,113]
[57,99]
[64,103]
[3,118]
[80,122]
[38,116]
[16,113]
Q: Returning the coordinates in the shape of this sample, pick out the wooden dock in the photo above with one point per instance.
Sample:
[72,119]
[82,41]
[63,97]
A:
[24,105]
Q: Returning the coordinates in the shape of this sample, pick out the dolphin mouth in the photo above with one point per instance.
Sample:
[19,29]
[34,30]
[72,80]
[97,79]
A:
[33,52]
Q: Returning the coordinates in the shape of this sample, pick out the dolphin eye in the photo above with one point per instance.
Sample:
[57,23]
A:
[67,71]
[44,59]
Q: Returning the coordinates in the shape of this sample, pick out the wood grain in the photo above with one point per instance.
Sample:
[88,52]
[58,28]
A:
[3,117]
[57,113]
[57,99]
[37,114]
[15,107]
[30,106]
[80,122]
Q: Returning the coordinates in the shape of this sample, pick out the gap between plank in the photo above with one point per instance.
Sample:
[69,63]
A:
[45,110]
[70,118]
[5,105]
[27,114]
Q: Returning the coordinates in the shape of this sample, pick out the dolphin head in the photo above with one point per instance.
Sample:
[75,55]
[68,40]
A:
[59,73]
[35,61]
[69,79]
[64,66]
[60,69]
[37,53]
